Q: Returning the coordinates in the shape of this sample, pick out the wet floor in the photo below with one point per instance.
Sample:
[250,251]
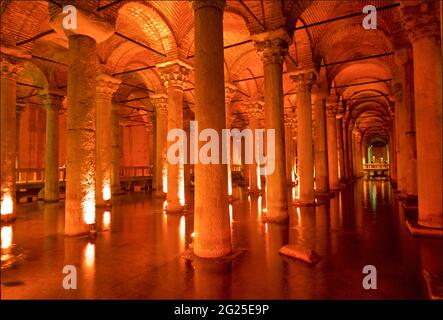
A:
[137,252]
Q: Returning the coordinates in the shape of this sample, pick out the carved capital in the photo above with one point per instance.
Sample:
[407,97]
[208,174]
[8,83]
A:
[303,80]
[106,85]
[160,102]
[331,109]
[272,46]
[52,98]
[420,19]
[255,109]
[11,62]
[174,73]
[230,90]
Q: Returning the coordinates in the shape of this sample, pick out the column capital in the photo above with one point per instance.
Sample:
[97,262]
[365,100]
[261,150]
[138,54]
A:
[272,46]
[230,90]
[11,62]
[331,109]
[106,85]
[174,73]
[160,102]
[254,108]
[420,19]
[303,79]
[219,4]
[401,56]
[93,25]
[52,98]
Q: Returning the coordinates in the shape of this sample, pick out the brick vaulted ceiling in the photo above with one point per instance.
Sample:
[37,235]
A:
[168,28]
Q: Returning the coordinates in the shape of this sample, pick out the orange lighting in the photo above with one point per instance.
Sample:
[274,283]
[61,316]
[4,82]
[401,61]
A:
[230,212]
[257,172]
[165,177]
[6,234]
[106,190]
[229,181]
[106,220]
[89,208]
[6,205]
[89,254]
[181,188]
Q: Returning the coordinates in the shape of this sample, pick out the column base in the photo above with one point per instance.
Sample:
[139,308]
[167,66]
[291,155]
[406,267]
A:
[417,230]
[434,284]
[158,194]
[283,219]
[105,204]
[302,203]
[117,191]
[175,211]
[8,218]
[325,194]
[211,263]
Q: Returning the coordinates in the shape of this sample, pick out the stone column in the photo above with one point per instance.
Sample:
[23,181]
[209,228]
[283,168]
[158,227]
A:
[288,147]
[11,63]
[357,154]
[332,145]
[20,108]
[303,83]
[174,75]
[422,23]
[80,160]
[341,162]
[401,162]
[230,90]
[52,100]
[106,85]
[211,215]
[320,142]
[272,46]
[255,111]
[160,102]
[403,92]
[115,150]
[392,150]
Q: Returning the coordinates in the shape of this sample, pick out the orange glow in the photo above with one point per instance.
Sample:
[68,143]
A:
[106,220]
[230,212]
[106,190]
[193,234]
[257,172]
[89,208]
[298,217]
[6,237]
[165,177]
[259,206]
[89,254]
[229,181]
[7,205]
[181,187]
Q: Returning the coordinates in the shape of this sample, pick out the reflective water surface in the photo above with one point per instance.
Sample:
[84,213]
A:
[138,248]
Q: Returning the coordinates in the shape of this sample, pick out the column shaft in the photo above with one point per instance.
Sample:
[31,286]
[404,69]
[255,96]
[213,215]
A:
[332,147]
[80,160]
[115,150]
[211,216]
[320,147]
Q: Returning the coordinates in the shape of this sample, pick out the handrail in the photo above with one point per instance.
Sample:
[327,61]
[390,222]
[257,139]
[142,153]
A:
[376,166]
[136,171]
[26,175]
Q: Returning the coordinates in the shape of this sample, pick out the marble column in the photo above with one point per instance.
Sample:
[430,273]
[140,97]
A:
[341,162]
[174,75]
[289,147]
[21,107]
[212,225]
[400,139]
[404,95]
[106,86]
[392,150]
[272,46]
[115,150]
[343,131]
[52,100]
[11,63]
[421,21]
[303,83]
[160,102]
[320,142]
[255,112]
[230,90]
[332,145]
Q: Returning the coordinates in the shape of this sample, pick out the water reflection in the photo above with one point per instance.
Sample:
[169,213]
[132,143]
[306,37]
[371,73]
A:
[6,235]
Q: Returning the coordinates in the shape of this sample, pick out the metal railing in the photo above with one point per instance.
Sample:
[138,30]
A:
[29,175]
[137,171]
[376,166]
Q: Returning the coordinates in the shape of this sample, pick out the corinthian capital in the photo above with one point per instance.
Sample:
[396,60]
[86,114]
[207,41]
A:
[11,62]
[106,85]
[303,80]
[420,18]
[174,73]
[272,46]
[52,98]
[160,102]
